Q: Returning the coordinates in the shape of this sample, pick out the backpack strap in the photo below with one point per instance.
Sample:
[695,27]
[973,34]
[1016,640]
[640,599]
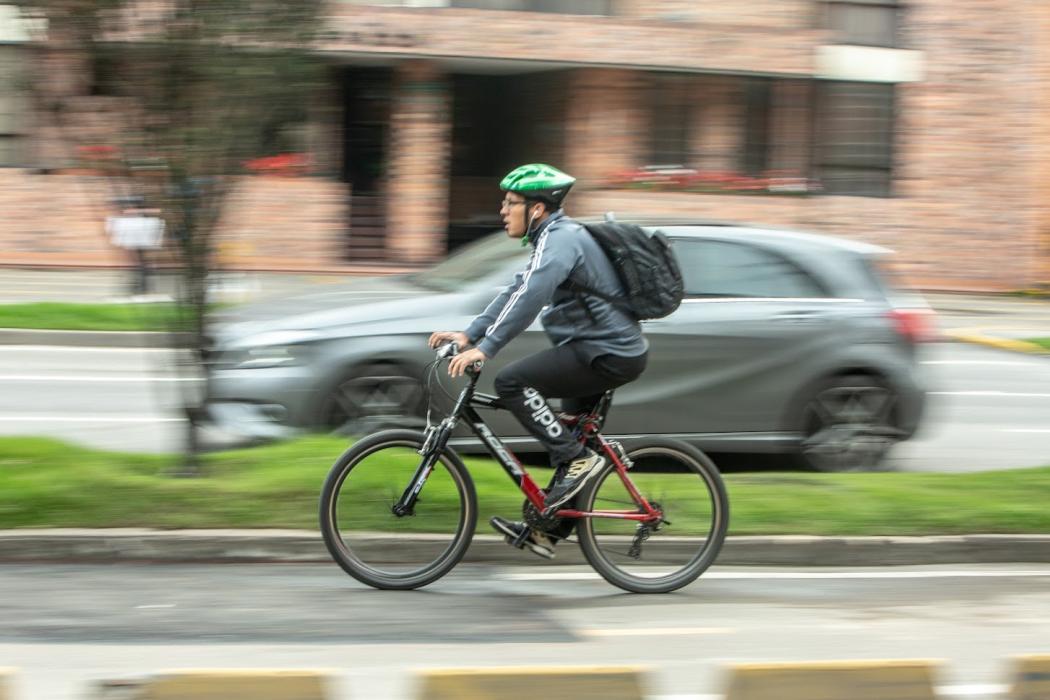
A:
[581,290]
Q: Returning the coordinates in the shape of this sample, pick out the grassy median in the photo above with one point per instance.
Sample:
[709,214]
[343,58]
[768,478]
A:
[88,317]
[46,483]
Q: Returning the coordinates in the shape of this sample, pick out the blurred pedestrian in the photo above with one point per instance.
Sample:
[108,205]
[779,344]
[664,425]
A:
[137,230]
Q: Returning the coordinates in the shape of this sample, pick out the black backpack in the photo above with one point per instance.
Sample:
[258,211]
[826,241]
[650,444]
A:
[646,266]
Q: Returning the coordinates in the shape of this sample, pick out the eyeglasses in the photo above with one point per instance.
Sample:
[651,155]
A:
[508,203]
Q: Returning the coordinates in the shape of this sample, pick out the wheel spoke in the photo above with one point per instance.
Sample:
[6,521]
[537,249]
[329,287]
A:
[687,490]
[362,531]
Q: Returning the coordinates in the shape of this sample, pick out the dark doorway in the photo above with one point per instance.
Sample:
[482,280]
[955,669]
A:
[366,114]
[499,122]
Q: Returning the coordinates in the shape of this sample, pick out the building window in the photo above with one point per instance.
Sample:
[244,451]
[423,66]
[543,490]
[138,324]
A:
[863,22]
[758,111]
[13,107]
[669,120]
[854,139]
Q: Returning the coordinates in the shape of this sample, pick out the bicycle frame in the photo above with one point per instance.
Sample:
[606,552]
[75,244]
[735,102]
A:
[437,437]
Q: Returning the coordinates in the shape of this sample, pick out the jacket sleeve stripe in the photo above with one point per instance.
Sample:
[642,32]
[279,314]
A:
[533,264]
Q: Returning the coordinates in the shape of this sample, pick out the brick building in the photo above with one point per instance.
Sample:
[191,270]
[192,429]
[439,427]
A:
[917,124]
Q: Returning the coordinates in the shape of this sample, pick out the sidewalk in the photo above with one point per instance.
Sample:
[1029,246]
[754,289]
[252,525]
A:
[302,546]
[999,321]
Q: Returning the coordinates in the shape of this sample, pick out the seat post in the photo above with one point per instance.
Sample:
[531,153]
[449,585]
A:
[602,409]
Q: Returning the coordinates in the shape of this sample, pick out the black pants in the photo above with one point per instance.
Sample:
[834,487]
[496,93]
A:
[563,372]
[140,275]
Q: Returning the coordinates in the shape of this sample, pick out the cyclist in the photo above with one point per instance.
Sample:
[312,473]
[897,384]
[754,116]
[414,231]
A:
[597,345]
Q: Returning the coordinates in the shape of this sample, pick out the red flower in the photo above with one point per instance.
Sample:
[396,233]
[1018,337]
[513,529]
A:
[283,164]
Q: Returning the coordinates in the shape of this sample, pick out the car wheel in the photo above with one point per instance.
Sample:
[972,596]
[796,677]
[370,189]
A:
[371,398]
[848,424]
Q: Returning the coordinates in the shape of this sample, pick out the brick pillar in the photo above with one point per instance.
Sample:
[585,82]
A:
[719,129]
[420,145]
[792,112]
[1042,144]
[606,123]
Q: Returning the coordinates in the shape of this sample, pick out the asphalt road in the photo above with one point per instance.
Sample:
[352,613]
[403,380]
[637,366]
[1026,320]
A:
[65,625]
[989,409]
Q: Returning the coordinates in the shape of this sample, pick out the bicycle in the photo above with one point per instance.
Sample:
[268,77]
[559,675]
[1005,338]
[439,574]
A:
[412,484]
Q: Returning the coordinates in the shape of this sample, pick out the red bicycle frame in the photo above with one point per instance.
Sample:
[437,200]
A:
[588,432]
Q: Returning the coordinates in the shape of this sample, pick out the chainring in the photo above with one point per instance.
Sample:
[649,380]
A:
[537,520]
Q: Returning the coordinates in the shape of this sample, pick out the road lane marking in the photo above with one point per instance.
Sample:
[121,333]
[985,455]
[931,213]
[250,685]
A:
[799,575]
[999,363]
[93,378]
[33,349]
[653,631]
[48,418]
[990,394]
[974,689]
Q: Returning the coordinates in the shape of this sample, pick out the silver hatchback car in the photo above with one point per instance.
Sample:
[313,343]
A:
[786,343]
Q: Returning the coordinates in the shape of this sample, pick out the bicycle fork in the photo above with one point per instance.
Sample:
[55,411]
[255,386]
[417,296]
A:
[434,442]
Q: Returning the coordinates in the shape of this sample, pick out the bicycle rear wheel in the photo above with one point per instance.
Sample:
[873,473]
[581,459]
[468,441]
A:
[682,482]
[385,550]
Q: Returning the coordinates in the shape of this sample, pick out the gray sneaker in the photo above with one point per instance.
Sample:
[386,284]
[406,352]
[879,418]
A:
[534,540]
[573,477]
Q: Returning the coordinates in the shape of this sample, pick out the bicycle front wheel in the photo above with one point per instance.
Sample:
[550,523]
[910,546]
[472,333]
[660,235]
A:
[685,485]
[376,546]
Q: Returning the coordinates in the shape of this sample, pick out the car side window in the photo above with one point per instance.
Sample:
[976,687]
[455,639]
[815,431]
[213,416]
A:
[726,269]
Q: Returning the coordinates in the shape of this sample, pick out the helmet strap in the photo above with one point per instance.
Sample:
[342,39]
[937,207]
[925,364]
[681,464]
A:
[528,221]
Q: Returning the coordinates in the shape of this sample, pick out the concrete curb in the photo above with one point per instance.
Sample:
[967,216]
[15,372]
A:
[300,546]
[978,336]
[104,339]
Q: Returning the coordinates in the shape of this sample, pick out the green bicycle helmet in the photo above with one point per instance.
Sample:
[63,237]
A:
[537,181]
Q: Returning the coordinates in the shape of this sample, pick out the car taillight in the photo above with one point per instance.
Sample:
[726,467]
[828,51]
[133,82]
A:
[915,325]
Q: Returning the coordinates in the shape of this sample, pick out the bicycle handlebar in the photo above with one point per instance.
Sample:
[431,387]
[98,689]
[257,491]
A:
[449,350]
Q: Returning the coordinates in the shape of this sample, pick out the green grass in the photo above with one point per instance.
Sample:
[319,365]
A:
[45,483]
[1041,342]
[88,317]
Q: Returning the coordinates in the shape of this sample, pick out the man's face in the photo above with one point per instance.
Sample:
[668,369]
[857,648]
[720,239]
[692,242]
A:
[514,213]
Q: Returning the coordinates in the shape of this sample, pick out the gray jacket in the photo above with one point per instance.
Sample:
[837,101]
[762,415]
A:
[562,252]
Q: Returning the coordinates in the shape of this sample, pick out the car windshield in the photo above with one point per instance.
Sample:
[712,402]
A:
[471,263]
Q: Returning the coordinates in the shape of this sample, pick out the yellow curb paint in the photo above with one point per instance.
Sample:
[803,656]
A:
[225,684]
[7,676]
[833,680]
[1031,678]
[524,683]
[976,337]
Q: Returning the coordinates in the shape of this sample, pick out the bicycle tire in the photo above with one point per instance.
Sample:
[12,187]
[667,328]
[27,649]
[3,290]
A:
[606,552]
[448,493]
